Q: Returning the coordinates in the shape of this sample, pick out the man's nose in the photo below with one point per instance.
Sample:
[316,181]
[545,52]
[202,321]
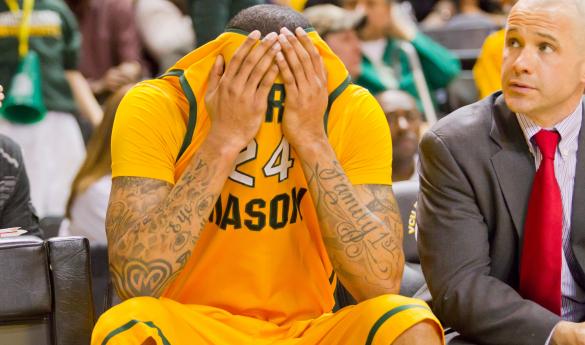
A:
[524,62]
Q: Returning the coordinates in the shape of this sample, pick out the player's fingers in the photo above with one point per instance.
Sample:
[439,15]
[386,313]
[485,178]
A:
[311,50]
[292,59]
[267,82]
[285,72]
[241,53]
[254,58]
[302,54]
[262,66]
[215,73]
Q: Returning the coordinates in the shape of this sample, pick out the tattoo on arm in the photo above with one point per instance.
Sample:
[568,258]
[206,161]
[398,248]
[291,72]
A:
[361,227]
[152,228]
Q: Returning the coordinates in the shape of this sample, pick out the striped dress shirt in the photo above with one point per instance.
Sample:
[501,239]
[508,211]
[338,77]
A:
[573,295]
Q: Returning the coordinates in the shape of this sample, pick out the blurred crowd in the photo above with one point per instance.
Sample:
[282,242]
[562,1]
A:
[420,58]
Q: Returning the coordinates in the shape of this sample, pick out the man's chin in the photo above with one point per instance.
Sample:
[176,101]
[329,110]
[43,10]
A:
[518,104]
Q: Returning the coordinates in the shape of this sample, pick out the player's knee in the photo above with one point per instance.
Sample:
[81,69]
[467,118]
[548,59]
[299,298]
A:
[426,332]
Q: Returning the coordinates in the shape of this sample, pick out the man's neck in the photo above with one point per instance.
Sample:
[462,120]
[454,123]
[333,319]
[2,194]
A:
[549,119]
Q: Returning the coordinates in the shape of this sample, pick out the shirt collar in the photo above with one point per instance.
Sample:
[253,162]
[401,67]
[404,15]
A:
[568,129]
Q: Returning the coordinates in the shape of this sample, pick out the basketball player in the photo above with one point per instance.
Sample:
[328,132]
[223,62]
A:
[232,218]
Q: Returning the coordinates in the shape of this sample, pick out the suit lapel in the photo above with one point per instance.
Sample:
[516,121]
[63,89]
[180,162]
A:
[513,163]
[578,210]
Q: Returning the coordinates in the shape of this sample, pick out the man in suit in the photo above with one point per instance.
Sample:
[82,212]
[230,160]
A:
[502,202]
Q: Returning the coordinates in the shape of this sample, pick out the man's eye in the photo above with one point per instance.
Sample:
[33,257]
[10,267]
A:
[512,42]
[546,48]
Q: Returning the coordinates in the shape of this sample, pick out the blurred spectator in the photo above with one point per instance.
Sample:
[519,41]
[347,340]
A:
[337,27]
[422,8]
[53,148]
[111,48]
[1,95]
[385,66]
[443,11]
[16,209]
[211,16]
[88,202]
[405,126]
[165,29]
[476,13]
[487,69]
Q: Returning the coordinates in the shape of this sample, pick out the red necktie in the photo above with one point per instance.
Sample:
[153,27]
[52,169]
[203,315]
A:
[540,265]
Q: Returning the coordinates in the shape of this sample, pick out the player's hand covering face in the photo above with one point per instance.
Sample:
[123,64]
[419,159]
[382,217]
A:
[305,82]
[234,93]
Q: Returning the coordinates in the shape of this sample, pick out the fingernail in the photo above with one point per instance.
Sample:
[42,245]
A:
[271,36]
[286,31]
[255,34]
[282,39]
[276,46]
[300,31]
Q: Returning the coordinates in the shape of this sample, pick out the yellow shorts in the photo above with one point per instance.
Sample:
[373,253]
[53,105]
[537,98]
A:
[376,321]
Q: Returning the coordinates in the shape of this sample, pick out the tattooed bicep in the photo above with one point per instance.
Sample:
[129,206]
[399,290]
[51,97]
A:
[130,199]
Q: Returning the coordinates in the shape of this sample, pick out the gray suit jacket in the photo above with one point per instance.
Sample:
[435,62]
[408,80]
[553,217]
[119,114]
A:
[476,178]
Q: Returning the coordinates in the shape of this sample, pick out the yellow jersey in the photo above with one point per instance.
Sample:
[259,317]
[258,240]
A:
[261,254]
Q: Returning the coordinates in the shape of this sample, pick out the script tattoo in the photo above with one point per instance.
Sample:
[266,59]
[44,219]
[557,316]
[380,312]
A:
[365,237]
[152,228]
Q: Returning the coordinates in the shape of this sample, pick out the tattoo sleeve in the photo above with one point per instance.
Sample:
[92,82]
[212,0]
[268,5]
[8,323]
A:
[152,226]
[360,225]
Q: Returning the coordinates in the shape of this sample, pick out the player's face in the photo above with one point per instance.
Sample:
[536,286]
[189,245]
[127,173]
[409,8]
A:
[346,45]
[543,71]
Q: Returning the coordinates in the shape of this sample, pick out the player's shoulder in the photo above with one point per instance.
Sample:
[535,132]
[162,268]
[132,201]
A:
[355,95]
[357,103]
[153,103]
[155,95]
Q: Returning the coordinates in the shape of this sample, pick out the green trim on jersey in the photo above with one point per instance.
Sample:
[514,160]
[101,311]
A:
[131,324]
[192,107]
[332,97]
[388,315]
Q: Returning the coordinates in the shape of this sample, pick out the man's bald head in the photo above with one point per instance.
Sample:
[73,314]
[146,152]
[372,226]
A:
[575,9]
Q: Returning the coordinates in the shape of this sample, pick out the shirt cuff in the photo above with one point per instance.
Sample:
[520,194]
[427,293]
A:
[550,335]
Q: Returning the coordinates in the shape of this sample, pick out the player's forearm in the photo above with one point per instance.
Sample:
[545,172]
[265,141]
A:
[364,250]
[152,240]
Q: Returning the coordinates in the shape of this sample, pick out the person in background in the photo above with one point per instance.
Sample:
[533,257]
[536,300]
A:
[385,66]
[211,16]
[442,12]
[405,123]
[165,29]
[16,209]
[488,67]
[337,27]
[53,148]
[476,14]
[86,208]
[111,48]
